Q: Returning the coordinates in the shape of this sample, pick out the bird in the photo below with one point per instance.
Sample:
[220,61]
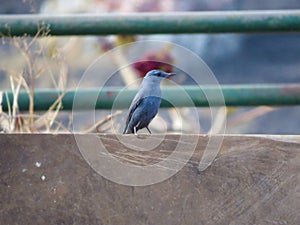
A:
[146,102]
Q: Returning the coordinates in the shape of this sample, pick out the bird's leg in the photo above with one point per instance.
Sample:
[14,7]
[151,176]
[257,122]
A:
[134,129]
[148,129]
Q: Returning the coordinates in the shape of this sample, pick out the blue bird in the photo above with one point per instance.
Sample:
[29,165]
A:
[145,104]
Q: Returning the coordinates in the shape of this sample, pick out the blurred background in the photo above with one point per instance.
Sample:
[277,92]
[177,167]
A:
[59,62]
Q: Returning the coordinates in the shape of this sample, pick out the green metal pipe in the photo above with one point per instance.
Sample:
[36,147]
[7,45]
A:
[153,23]
[234,95]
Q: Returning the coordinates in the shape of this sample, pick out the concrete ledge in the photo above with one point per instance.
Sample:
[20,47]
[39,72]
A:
[254,180]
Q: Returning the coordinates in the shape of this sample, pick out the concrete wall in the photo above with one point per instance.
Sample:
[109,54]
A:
[45,180]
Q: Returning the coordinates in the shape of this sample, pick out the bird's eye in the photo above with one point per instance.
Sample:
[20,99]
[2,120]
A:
[158,74]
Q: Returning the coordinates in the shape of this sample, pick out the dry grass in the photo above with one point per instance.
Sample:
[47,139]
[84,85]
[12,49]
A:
[35,63]
[32,71]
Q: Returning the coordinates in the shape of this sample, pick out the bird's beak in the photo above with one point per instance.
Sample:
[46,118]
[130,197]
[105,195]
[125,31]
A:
[170,74]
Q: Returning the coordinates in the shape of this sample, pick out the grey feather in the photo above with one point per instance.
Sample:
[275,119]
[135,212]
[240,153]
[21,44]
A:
[145,104]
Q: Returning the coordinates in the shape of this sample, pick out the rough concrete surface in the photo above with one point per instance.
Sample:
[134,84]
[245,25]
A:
[253,180]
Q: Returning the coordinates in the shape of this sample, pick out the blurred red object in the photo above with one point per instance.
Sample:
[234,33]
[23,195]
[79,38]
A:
[159,60]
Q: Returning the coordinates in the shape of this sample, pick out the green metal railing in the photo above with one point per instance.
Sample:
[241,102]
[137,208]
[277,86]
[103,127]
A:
[157,23]
[154,23]
[234,95]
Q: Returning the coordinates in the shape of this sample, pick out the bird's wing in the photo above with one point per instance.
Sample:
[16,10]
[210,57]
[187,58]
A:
[135,103]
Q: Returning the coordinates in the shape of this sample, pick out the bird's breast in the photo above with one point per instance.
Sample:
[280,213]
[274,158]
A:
[148,92]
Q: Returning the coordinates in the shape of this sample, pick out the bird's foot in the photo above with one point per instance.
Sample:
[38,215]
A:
[134,130]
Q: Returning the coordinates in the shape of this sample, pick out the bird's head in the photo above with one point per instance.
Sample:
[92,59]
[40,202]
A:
[157,75]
